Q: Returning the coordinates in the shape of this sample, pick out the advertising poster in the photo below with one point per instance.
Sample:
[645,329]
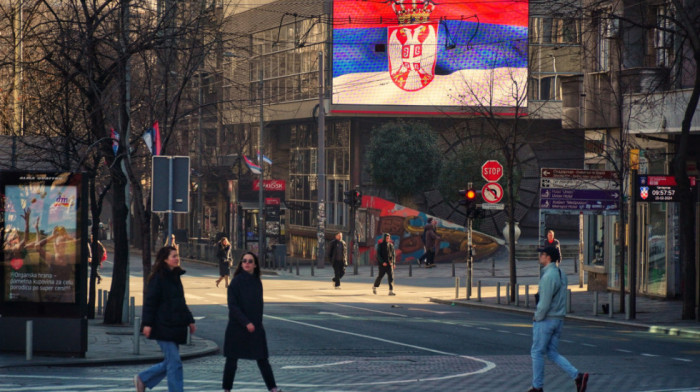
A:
[41,241]
[427,53]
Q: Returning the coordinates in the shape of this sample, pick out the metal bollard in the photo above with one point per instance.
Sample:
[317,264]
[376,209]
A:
[517,294]
[290,268]
[527,295]
[355,266]
[595,303]
[611,298]
[105,293]
[453,269]
[568,301]
[508,293]
[132,309]
[30,339]
[493,267]
[99,302]
[312,268]
[410,269]
[457,287]
[371,269]
[137,332]
[498,292]
[478,291]
[628,315]
[189,337]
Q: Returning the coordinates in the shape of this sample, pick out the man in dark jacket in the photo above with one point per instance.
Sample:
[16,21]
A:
[432,240]
[338,256]
[552,242]
[386,256]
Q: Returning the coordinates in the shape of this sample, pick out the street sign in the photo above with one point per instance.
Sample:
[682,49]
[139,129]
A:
[491,171]
[160,195]
[576,189]
[491,206]
[659,188]
[492,192]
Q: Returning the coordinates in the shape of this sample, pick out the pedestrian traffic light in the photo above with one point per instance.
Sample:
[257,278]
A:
[358,199]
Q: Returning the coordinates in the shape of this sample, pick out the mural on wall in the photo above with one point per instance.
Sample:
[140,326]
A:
[406,226]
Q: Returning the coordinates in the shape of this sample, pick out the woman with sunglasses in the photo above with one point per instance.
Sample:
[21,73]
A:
[245,335]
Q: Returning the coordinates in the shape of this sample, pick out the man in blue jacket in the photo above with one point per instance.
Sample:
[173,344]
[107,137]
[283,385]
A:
[549,321]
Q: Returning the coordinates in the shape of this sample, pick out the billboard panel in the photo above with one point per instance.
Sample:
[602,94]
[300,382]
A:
[423,53]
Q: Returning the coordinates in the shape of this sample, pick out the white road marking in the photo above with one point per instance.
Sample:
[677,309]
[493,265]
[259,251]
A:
[682,359]
[187,295]
[317,366]
[649,355]
[335,314]
[432,311]
[566,340]
[484,328]
[589,345]
[488,364]
[623,351]
[503,331]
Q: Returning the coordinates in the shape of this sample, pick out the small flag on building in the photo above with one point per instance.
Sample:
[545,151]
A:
[115,141]
[252,166]
[264,159]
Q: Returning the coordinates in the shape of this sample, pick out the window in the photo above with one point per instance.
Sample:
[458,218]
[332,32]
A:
[544,30]
[663,36]
[604,31]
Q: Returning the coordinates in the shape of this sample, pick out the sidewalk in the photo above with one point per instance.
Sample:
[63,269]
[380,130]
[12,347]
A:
[110,345]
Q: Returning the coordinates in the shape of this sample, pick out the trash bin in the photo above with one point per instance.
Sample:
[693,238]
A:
[279,254]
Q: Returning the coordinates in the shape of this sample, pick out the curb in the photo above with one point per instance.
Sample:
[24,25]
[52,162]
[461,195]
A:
[206,262]
[209,348]
[672,331]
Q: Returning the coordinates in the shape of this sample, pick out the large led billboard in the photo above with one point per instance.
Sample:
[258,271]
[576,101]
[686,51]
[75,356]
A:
[427,53]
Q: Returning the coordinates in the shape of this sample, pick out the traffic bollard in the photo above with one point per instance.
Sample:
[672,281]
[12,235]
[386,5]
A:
[611,298]
[478,291]
[517,294]
[137,331]
[568,301]
[99,302]
[493,266]
[105,293]
[628,315]
[290,270]
[498,292]
[595,303]
[312,268]
[30,339]
[132,309]
[189,337]
[457,287]
[410,269]
[508,293]
[453,269]
[355,267]
[527,295]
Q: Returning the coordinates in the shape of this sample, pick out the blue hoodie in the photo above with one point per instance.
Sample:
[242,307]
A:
[552,289]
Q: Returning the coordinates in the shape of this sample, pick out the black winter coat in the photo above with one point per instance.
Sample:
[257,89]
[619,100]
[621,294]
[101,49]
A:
[245,305]
[165,309]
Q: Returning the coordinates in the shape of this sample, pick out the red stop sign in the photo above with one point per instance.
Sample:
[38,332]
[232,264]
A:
[492,171]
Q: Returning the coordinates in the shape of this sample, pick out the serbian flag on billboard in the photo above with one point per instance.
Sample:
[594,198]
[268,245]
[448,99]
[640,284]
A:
[252,166]
[427,53]
[152,139]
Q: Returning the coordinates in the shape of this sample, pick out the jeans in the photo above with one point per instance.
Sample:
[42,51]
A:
[232,365]
[339,272]
[545,340]
[389,273]
[171,366]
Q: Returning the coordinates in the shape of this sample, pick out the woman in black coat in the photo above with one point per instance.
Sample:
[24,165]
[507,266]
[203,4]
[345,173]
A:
[245,335]
[223,253]
[165,318]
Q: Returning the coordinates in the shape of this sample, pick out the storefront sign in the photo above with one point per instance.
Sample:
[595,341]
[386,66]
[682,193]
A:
[270,185]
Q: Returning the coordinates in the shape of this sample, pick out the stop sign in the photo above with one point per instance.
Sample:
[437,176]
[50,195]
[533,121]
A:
[492,171]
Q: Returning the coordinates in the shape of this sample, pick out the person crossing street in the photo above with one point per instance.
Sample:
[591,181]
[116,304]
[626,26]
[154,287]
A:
[338,256]
[386,257]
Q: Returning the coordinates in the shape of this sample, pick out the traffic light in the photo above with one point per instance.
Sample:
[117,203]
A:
[358,199]
[468,199]
[349,198]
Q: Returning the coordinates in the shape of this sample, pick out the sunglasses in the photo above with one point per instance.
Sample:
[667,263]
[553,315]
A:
[248,261]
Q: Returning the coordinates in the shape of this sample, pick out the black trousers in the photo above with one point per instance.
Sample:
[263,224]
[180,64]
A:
[430,258]
[338,271]
[389,274]
[232,365]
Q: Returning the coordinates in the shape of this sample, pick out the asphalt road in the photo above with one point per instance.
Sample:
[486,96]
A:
[322,339]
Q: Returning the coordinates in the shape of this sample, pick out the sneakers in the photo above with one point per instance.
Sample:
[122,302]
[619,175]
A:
[140,387]
[391,293]
[374,290]
[581,382]
[533,389]
[337,287]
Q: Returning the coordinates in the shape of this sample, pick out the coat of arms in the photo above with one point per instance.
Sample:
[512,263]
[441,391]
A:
[644,192]
[412,45]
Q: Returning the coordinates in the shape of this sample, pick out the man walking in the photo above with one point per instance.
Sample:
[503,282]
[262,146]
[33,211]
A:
[553,242]
[432,241]
[549,321]
[386,256]
[338,257]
